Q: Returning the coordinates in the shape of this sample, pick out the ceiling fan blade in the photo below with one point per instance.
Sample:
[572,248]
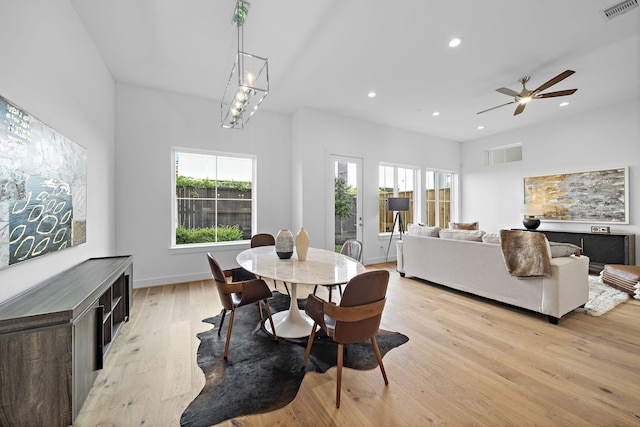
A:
[519,109]
[558,93]
[508,91]
[556,79]
[493,108]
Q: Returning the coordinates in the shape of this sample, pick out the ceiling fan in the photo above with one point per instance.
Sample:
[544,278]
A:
[526,95]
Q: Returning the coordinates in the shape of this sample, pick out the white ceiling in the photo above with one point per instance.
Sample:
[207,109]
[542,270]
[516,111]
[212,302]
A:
[328,54]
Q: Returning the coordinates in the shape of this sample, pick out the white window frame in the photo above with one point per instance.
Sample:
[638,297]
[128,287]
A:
[453,214]
[197,247]
[417,192]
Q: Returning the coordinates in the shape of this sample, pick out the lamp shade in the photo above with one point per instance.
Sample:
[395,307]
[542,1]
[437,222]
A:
[532,209]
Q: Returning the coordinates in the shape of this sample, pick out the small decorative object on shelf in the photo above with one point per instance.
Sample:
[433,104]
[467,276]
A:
[302,244]
[284,244]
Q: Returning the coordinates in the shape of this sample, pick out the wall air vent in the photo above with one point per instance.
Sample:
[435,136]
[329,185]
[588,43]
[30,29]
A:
[618,9]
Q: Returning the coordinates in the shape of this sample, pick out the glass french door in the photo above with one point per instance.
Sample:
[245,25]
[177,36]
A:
[345,201]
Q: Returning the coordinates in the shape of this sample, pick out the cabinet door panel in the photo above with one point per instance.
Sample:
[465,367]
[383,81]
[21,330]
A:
[85,355]
[36,368]
[606,249]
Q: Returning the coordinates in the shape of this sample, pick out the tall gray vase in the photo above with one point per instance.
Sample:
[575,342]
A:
[284,244]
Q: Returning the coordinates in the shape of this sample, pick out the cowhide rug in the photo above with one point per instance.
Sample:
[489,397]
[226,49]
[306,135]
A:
[263,375]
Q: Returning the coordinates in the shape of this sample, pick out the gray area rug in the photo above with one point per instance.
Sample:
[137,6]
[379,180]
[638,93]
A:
[263,375]
[602,297]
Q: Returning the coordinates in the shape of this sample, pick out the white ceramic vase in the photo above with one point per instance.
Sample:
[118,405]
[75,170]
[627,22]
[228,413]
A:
[284,244]
[302,244]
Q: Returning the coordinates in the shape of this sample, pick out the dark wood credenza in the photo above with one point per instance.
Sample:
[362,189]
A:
[601,248]
[54,339]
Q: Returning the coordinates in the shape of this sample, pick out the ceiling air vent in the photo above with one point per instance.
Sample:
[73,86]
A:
[618,9]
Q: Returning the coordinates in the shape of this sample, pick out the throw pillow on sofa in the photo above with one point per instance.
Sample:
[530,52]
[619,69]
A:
[464,225]
[563,249]
[455,234]
[491,238]
[423,230]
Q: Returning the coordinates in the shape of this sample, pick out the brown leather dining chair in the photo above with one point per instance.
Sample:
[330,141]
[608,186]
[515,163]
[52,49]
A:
[351,248]
[356,319]
[237,294]
[266,239]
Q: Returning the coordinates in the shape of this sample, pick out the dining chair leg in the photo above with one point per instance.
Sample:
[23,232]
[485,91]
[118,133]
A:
[286,288]
[273,326]
[309,344]
[315,288]
[379,357]
[260,311]
[339,376]
[340,290]
[226,345]
[222,314]
[330,290]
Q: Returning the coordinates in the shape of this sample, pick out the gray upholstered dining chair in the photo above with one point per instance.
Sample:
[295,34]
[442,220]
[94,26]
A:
[234,295]
[351,248]
[356,319]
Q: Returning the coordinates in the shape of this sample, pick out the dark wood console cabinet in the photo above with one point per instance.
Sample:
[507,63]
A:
[601,248]
[54,338]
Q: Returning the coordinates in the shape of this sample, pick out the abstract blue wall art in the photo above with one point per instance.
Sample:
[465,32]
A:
[43,188]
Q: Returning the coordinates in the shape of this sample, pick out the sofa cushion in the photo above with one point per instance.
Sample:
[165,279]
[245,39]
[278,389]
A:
[455,234]
[464,225]
[491,238]
[563,249]
[423,230]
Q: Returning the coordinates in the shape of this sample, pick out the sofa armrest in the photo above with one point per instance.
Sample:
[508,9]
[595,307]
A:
[568,286]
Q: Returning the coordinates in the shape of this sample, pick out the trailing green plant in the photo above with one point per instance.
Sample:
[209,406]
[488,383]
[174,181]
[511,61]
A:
[186,181]
[223,233]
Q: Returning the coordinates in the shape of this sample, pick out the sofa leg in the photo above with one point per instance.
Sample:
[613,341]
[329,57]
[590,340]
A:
[401,274]
[553,320]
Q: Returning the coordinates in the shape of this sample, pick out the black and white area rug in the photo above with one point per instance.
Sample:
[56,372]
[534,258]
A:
[261,374]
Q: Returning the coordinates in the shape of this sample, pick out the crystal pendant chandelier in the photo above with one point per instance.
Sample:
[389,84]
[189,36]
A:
[248,84]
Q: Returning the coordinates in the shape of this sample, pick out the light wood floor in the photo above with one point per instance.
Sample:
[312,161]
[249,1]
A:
[468,361]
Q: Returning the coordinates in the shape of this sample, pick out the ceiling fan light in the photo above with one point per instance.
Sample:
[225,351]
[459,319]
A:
[455,42]
[525,100]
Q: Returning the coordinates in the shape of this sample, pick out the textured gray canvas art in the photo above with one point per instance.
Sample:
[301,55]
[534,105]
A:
[595,196]
[43,186]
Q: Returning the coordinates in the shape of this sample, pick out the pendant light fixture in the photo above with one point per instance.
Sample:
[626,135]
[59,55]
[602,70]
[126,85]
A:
[248,84]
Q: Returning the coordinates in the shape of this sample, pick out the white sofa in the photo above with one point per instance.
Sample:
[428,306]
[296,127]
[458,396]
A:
[479,268]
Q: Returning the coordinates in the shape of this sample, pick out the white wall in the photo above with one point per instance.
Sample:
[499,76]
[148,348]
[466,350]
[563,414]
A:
[317,134]
[292,158]
[601,139]
[149,123]
[50,67]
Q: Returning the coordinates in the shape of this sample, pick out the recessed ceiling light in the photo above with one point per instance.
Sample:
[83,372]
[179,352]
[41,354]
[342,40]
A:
[371,94]
[454,42]
[435,113]
[564,104]
[480,127]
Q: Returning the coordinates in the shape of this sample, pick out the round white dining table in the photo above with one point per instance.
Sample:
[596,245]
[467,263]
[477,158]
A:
[321,267]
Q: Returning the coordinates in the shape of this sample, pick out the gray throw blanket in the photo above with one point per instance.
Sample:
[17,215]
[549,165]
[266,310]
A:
[525,253]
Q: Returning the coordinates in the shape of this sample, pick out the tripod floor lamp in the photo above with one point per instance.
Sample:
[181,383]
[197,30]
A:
[397,204]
